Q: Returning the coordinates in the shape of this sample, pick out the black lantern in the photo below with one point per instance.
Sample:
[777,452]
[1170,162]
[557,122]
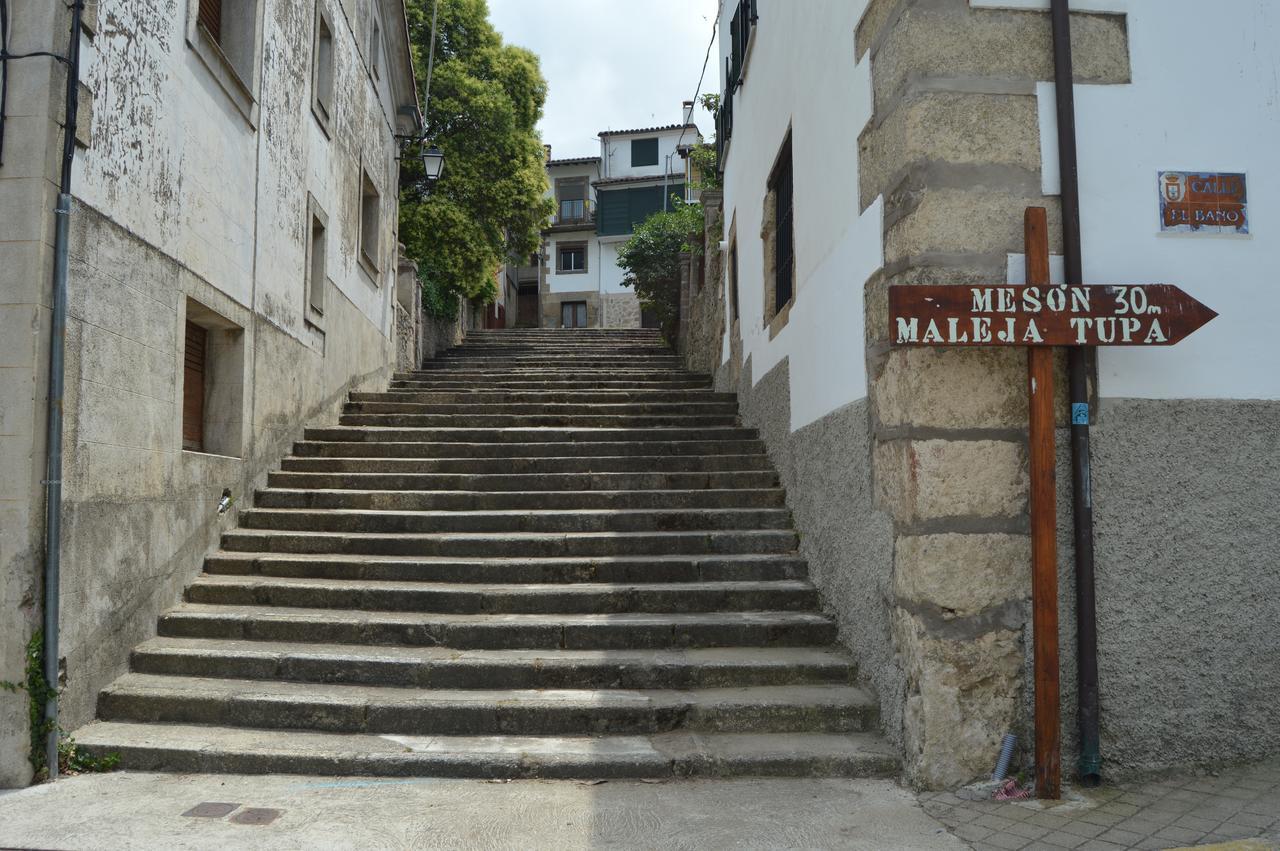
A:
[432,164]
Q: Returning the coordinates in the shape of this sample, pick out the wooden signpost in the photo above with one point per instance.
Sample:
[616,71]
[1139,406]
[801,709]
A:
[1039,316]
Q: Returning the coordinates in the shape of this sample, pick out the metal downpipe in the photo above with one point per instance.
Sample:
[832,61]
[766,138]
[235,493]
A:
[57,357]
[1079,366]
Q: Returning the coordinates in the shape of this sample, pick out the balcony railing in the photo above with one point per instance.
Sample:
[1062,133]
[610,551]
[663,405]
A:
[574,212]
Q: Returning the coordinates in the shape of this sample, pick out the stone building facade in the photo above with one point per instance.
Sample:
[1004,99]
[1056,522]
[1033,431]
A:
[599,200]
[906,469]
[232,276]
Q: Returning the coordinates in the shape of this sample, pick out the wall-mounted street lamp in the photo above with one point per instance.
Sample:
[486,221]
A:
[427,164]
[432,164]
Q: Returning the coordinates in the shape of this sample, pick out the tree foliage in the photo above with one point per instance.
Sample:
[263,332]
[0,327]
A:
[706,155]
[651,258]
[485,101]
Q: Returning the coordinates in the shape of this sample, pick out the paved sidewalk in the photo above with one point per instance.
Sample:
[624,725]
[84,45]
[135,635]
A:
[1172,812]
[146,811]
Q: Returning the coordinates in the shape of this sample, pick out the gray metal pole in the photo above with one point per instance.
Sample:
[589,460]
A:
[57,358]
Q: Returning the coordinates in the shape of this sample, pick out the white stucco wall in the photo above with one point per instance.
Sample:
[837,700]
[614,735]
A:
[1205,97]
[182,168]
[615,153]
[838,245]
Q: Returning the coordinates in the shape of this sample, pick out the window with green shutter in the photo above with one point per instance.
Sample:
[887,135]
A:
[644,152]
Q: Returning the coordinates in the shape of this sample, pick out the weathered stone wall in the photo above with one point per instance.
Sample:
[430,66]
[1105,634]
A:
[621,310]
[139,513]
[702,294]
[188,205]
[27,184]
[954,151]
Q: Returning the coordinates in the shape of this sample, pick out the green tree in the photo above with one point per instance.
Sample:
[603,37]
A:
[485,101]
[651,258]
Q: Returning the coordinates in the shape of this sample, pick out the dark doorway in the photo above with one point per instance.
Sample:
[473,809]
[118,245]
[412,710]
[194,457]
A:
[527,310]
[649,318]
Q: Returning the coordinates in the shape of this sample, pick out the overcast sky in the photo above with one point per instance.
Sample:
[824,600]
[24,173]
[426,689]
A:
[612,64]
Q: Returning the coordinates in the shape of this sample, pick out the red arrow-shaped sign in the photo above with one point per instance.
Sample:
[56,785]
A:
[1016,315]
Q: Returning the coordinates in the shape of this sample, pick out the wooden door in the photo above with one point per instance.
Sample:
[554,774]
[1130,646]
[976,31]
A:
[193,361]
[527,308]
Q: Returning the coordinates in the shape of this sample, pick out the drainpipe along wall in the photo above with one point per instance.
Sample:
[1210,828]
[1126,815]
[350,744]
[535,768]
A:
[1079,367]
[57,355]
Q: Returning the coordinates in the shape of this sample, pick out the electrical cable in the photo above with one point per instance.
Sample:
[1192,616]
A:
[715,30]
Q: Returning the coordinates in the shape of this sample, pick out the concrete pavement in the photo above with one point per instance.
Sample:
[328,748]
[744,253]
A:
[146,811]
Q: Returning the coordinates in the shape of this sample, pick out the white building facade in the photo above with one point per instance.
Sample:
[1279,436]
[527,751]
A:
[598,203]
[909,159]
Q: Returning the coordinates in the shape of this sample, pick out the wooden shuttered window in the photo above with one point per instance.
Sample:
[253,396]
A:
[193,388]
[784,260]
[210,15]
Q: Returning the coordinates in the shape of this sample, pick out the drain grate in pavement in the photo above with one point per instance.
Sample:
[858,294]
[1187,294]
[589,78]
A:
[211,809]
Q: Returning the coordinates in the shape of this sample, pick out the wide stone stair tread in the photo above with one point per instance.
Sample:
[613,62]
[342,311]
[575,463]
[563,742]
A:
[208,748]
[616,568]
[527,598]
[519,520]
[531,544]
[355,498]
[543,554]
[586,631]
[407,710]
[448,667]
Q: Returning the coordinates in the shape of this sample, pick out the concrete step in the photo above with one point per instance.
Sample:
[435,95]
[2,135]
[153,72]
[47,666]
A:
[578,520]
[624,568]
[632,631]
[446,434]
[559,409]
[482,396]
[443,667]
[476,598]
[383,710]
[558,500]
[514,544]
[388,462]
[525,421]
[339,476]
[237,750]
[513,453]
[438,382]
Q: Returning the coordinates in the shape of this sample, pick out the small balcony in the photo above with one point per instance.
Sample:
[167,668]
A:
[574,212]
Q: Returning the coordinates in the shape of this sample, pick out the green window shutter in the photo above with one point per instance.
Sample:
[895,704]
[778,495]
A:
[621,211]
[644,152]
[612,214]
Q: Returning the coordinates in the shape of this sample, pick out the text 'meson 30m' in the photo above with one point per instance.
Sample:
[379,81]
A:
[1111,315]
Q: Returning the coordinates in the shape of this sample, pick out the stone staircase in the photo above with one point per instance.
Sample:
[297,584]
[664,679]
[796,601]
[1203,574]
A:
[548,554]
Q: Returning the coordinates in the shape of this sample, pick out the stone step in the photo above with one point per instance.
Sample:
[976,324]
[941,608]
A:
[576,520]
[480,374]
[515,453]
[560,409]
[515,544]
[543,384]
[385,710]
[444,667]
[591,360]
[237,750]
[548,397]
[633,631]
[497,483]
[625,473]
[527,435]
[558,500]
[523,421]
[475,598]
[625,568]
